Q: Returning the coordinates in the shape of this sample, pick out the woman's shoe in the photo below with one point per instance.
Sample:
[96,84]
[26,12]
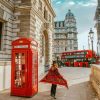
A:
[54,97]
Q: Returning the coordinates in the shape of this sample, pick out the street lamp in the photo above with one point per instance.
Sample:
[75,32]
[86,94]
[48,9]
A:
[88,42]
[91,35]
[98,47]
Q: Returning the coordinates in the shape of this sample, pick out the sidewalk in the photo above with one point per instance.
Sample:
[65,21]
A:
[79,87]
[82,91]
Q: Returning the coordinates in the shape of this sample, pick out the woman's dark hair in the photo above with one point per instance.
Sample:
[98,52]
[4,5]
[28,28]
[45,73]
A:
[54,62]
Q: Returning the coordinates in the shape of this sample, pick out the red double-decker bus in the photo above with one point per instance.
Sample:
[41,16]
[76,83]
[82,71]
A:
[78,58]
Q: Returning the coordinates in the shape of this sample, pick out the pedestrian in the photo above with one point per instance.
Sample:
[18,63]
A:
[54,77]
[54,86]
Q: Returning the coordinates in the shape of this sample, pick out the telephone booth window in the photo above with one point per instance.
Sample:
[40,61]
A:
[20,70]
[34,71]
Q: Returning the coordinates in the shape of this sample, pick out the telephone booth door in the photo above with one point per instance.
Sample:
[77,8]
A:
[35,71]
[19,77]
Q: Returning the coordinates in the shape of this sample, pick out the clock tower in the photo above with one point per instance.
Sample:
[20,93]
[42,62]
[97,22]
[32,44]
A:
[71,31]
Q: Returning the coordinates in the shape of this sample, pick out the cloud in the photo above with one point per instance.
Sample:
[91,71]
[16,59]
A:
[89,3]
[71,3]
[58,2]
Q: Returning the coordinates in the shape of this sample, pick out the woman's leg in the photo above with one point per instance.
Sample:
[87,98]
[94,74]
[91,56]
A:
[52,90]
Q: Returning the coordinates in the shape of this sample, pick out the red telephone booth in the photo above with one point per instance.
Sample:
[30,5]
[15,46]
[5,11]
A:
[24,71]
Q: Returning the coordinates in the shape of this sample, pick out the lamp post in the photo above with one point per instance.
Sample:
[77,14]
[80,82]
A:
[89,42]
[98,47]
[91,35]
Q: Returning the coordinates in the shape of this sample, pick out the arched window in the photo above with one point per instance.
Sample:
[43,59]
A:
[45,13]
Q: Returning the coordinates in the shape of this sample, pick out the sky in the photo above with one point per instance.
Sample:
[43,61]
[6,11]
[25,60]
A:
[84,12]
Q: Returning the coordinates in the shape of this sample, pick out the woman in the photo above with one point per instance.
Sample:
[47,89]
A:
[54,86]
[54,77]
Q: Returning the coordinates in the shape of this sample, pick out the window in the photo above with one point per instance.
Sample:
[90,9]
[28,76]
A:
[20,70]
[63,24]
[49,18]
[69,35]
[57,35]
[58,42]
[75,48]
[71,46]
[71,41]
[45,13]
[1,24]
[55,24]
[75,35]
[65,48]
[59,24]
[75,42]
[57,49]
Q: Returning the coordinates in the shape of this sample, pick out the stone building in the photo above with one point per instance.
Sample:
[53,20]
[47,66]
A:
[65,37]
[25,18]
[97,19]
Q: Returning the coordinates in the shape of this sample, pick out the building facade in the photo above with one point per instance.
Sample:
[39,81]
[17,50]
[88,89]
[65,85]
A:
[65,37]
[25,18]
[97,25]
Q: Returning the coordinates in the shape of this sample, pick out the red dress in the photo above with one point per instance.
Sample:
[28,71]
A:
[54,77]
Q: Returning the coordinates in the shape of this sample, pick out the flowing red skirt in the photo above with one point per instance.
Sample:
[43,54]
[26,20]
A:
[54,77]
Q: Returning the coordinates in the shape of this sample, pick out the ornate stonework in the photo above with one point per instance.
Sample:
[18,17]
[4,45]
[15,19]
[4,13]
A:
[97,25]
[97,18]
[27,18]
[65,37]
